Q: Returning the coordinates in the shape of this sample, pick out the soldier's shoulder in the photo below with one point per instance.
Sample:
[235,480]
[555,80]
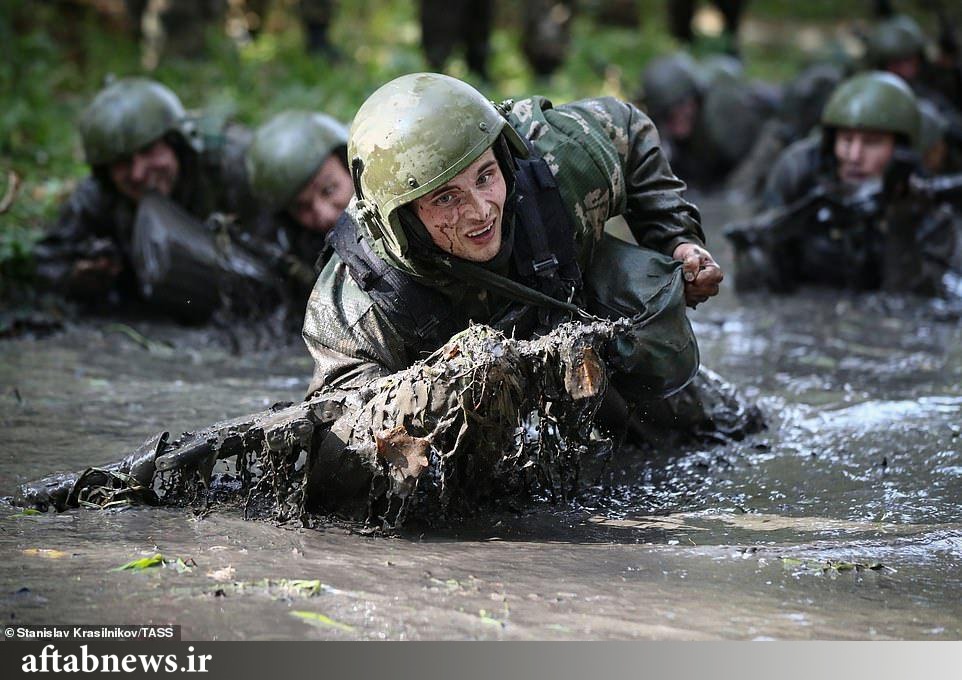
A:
[90,197]
[337,301]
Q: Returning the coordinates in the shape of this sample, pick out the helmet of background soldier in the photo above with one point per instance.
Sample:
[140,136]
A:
[720,67]
[668,81]
[287,151]
[805,96]
[126,116]
[898,37]
[874,100]
[410,137]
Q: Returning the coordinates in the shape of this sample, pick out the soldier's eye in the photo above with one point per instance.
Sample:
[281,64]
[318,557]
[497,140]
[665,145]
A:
[444,200]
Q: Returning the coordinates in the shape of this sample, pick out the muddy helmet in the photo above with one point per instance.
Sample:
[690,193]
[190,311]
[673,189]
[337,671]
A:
[287,151]
[874,101]
[126,116]
[668,81]
[410,137]
[898,37]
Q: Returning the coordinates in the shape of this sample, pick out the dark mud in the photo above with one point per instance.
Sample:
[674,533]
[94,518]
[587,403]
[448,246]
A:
[840,521]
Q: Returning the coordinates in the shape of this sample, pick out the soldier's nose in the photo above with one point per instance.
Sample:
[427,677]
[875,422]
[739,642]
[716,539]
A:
[476,207]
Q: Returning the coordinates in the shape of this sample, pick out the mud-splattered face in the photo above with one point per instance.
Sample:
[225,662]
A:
[463,217]
[318,205]
[862,154]
[153,168]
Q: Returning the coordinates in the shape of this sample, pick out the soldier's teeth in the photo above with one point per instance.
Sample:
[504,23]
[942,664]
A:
[473,234]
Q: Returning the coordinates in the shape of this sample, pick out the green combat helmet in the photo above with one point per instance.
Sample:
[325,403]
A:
[411,136]
[287,151]
[874,101]
[668,81]
[896,38]
[126,116]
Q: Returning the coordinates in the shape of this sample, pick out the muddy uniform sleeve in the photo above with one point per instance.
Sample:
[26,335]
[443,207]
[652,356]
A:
[85,229]
[608,161]
[350,340]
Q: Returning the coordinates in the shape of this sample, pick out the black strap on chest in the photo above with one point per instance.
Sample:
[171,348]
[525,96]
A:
[544,258]
[544,238]
[420,312]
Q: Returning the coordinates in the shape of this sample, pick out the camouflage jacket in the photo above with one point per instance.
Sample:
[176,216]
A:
[903,245]
[606,157]
[98,221]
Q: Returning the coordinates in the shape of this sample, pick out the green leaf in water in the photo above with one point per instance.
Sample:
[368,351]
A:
[184,567]
[141,564]
[305,587]
[321,619]
[26,512]
[487,619]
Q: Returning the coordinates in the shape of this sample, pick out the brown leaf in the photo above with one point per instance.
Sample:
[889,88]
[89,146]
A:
[585,377]
[407,454]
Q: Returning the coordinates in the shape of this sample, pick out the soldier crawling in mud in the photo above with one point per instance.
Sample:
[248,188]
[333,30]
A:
[707,114]
[138,141]
[134,230]
[848,208]
[467,212]
[297,166]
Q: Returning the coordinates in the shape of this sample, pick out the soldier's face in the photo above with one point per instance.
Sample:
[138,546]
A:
[153,168]
[862,154]
[681,119]
[463,216]
[321,202]
[907,68]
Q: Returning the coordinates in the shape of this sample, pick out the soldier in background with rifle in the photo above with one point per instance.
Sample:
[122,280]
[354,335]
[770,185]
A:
[297,165]
[849,208]
[133,230]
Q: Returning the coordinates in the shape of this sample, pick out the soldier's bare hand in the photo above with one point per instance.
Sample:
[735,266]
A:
[702,274]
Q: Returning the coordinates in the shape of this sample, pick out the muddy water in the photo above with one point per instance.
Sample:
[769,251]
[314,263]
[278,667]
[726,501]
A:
[841,521]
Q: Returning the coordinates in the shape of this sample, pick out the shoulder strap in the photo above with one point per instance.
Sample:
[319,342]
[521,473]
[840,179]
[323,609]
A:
[545,245]
[419,312]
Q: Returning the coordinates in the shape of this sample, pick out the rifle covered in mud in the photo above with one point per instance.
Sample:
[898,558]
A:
[484,420]
[447,430]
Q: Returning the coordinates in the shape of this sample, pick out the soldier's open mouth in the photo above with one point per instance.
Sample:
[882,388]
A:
[482,234]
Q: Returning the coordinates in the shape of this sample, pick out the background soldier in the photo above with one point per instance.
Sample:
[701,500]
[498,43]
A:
[844,213]
[297,165]
[708,116]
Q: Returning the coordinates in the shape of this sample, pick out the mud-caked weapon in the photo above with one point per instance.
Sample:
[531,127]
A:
[483,417]
[186,266]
